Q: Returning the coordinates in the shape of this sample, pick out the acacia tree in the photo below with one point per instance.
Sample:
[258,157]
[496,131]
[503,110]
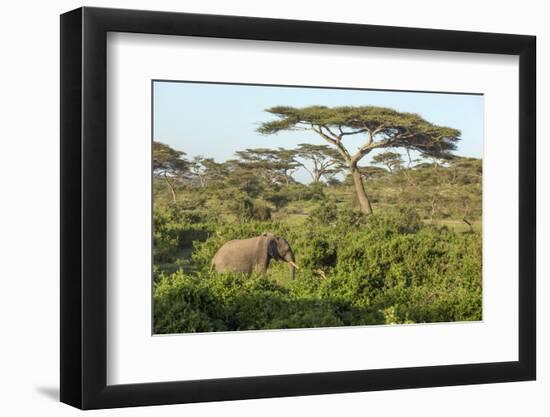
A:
[371,173]
[382,128]
[243,177]
[197,169]
[272,165]
[391,160]
[326,161]
[206,170]
[436,161]
[287,163]
[169,165]
[214,172]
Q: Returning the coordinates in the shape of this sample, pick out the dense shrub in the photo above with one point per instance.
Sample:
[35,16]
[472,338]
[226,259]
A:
[325,213]
[260,211]
[385,269]
[175,229]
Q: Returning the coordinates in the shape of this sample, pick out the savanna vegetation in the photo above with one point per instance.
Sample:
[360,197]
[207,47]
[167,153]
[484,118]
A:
[396,239]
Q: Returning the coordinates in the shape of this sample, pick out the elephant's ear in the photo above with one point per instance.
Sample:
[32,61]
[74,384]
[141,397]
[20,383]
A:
[272,249]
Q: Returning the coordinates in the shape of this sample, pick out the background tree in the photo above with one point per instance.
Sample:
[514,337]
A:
[325,161]
[391,160]
[206,170]
[169,165]
[198,170]
[371,173]
[272,165]
[215,172]
[437,160]
[287,163]
[383,127]
[243,177]
[466,170]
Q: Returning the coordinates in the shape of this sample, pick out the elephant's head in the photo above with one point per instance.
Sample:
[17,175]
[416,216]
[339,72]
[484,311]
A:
[279,249]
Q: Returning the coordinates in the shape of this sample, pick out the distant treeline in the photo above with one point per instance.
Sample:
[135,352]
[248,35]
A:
[260,182]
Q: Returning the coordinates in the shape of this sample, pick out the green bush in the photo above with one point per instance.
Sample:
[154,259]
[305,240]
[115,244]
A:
[174,230]
[261,211]
[384,269]
[325,213]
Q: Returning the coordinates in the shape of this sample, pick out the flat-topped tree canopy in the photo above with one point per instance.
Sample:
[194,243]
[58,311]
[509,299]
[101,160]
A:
[382,127]
[267,157]
[391,160]
[166,159]
[274,164]
[321,151]
[323,160]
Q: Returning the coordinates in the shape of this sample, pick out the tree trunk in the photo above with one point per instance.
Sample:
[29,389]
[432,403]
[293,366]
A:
[317,178]
[202,182]
[287,178]
[171,188]
[362,196]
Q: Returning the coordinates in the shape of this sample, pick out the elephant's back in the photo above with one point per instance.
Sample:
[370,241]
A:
[236,254]
[238,244]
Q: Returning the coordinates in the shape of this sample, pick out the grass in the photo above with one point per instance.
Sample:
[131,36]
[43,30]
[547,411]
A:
[457,225]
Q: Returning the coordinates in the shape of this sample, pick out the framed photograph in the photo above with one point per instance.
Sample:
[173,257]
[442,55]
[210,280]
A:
[257,208]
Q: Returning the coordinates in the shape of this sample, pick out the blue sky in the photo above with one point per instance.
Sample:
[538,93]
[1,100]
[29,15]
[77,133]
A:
[215,120]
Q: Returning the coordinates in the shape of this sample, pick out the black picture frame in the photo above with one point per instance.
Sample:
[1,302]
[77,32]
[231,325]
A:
[84,207]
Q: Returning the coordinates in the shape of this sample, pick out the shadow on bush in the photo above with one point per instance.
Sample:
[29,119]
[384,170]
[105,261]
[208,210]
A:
[226,302]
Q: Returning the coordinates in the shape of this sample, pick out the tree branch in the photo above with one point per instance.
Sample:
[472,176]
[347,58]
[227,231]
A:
[308,170]
[343,151]
[365,149]
[334,135]
[355,132]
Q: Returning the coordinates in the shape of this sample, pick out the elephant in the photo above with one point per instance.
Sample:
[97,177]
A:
[254,255]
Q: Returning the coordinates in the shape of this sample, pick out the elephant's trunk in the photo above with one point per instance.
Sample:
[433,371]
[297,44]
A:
[289,258]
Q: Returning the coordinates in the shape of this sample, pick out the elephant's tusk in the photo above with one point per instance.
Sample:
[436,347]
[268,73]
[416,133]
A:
[293,264]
